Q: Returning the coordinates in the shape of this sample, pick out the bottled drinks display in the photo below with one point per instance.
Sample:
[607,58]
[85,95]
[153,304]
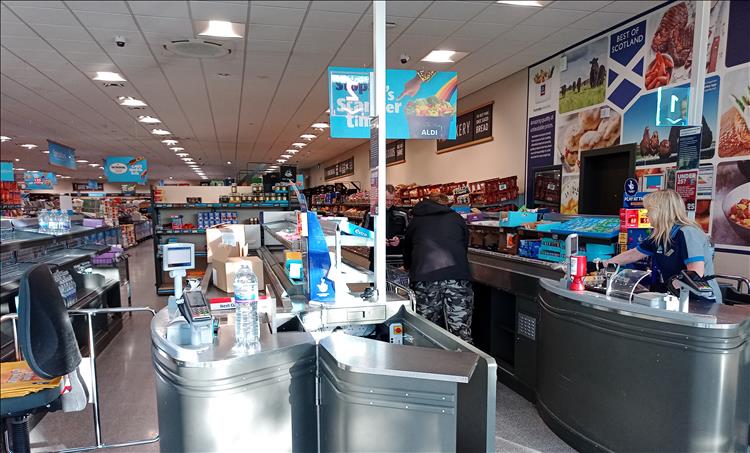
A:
[44,221]
[67,287]
[54,221]
[247,321]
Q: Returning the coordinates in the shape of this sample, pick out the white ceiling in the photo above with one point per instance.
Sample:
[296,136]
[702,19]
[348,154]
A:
[49,51]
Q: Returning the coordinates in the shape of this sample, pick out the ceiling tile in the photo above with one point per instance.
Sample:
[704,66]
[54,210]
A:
[452,10]
[276,16]
[287,3]
[433,27]
[257,45]
[160,8]
[481,30]
[45,16]
[272,32]
[506,14]
[219,11]
[40,4]
[181,28]
[345,7]
[554,17]
[19,44]
[406,9]
[107,20]
[527,33]
[631,6]
[579,5]
[110,6]
[331,20]
[600,21]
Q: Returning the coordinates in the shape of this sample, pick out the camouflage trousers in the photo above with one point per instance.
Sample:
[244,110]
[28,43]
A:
[447,303]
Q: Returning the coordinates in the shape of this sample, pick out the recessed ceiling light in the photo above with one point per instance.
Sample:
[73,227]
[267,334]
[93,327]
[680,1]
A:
[182,154]
[171,177]
[160,132]
[328,111]
[100,177]
[177,148]
[5,138]
[105,76]
[204,177]
[308,137]
[444,56]
[229,162]
[128,101]
[17,159]
[299,145]
[520,2]
[59,176]
[222,29]
[281,161]
[148,119]
[93,165]
[320,126]
[187,159]
[286,156]
[224,75]
[46,151]
[292,151]
[169,142]
[19,169]
[82,161]
[28,146]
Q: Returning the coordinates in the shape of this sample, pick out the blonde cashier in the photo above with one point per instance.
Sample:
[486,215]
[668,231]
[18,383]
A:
[676,242]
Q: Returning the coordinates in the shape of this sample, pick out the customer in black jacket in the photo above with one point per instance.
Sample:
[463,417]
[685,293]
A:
[395,226]
[435,253]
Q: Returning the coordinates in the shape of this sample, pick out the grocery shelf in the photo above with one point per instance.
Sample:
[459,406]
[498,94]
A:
[269,204]
[181,231]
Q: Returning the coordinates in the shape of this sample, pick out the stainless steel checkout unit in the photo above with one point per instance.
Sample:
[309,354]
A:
[612,373]
[324,377]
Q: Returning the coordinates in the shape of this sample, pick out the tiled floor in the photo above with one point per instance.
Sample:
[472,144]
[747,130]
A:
[128,398]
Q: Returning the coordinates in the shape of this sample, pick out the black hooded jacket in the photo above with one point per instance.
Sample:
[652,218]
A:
[436,244]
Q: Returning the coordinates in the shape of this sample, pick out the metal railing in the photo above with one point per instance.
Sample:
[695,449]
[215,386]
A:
[89,313]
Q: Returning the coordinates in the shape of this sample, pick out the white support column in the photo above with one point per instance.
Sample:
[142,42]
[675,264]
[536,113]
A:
[378,58]
[698,74]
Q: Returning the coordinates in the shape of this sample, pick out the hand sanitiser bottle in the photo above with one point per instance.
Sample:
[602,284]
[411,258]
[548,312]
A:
[247,321]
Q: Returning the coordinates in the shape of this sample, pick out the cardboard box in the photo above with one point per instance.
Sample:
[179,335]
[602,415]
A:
[246,237]
[225,269]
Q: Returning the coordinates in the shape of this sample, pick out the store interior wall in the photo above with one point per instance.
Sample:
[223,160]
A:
[503,156]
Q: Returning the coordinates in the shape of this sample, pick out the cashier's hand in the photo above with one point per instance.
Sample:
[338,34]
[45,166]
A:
[394,241]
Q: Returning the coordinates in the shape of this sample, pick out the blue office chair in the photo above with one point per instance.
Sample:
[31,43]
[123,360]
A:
[46,339]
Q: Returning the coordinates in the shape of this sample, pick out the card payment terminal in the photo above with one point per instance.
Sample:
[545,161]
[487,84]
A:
[195,308]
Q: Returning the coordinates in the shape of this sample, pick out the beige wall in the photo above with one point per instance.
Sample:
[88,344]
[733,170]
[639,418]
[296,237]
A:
[504,156]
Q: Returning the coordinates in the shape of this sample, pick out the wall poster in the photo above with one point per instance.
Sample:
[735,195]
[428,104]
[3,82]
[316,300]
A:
[623,74]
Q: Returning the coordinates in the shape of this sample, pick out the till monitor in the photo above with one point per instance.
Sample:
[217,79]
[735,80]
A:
[602,179]
[178,256]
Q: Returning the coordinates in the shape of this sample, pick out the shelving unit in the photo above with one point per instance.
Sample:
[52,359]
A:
[174,203]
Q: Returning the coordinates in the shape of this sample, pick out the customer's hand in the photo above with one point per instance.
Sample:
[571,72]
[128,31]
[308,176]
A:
[394,241]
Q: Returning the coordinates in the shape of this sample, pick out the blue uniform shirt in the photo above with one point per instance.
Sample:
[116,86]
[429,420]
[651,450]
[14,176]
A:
[689,245]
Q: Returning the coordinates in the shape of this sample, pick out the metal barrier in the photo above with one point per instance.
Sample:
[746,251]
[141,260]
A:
[89,313]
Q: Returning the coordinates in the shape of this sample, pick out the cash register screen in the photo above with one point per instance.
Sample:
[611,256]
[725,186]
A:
[178,257]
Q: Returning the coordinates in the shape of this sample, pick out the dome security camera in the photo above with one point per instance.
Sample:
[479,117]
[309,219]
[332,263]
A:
[404,58]
[120,41]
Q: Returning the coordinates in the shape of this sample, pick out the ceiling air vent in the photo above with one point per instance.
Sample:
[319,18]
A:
[197,48]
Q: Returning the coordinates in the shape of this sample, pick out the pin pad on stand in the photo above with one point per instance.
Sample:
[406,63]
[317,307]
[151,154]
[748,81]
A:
[195,307]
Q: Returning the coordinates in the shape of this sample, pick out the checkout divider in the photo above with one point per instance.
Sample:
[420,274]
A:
[324,376]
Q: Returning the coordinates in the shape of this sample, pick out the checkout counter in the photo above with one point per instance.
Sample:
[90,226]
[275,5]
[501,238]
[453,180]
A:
[358,374]
[612,373]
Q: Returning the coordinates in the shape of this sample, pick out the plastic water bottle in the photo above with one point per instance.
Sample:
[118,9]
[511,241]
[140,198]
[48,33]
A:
[64,221]
[247,322]
[55,220]
[44,221]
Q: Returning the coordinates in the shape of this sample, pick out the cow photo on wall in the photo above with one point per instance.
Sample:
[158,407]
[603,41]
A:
[583,76]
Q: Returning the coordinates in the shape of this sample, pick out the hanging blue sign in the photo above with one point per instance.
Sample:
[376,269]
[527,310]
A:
[61,155]
[37,180]
[126,169]
[6,171]
[419,104]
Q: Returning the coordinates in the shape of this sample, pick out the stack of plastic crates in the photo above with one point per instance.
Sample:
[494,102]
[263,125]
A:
[108,258]
[552,250]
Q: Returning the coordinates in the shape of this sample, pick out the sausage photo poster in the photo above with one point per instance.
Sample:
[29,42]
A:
[626,76]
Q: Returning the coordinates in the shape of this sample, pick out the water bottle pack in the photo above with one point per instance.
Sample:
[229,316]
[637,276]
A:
[247,321]
[67,287]
[54,221]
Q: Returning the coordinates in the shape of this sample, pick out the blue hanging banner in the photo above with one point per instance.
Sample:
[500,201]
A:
[419,104]
[61,155]
[37,180]
[6,171]
[126,169]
